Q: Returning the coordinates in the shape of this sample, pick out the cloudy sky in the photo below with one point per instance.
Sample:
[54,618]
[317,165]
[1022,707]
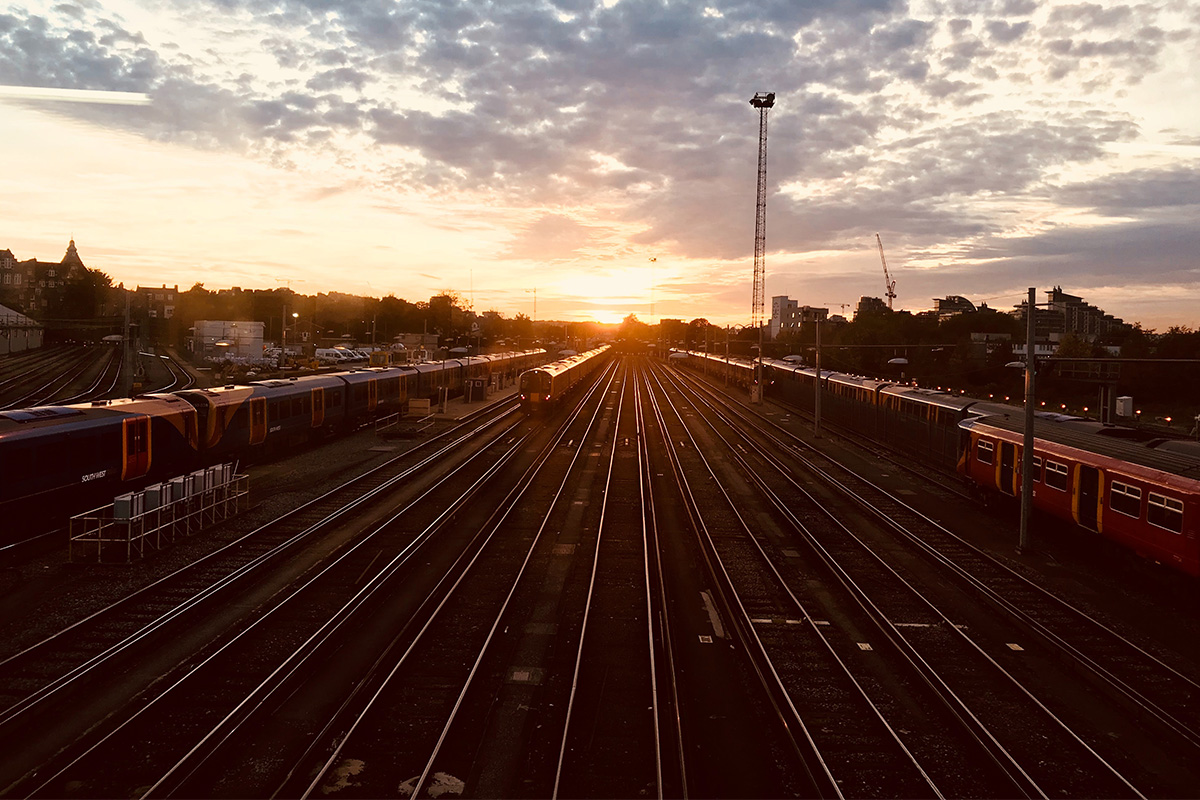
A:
[600,156]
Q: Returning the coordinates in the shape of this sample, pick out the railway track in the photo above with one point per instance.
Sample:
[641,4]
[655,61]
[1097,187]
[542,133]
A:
[51,677]
[50,380]
[425,731]
[665,595]
[1054,638]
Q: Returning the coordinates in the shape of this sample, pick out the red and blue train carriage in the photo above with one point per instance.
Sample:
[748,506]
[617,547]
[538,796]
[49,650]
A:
[54,458]
[70,458]
[1139,496]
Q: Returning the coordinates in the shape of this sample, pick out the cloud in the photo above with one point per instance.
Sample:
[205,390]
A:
[1128,194]
[552,237]
[627,126]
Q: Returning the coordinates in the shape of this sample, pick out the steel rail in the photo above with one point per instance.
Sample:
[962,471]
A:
[582,645]
[979,732]
[492,527]
[591,426]
[279,603]
[243,572]
[76,368]
[803,745]
[1154,709]
[95,384]
[656,601]
[958,630]
[195,759]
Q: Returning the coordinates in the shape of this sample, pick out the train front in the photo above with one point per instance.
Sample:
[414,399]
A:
[536,389]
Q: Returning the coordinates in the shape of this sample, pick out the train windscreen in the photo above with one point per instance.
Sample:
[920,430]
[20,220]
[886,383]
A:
[535,382]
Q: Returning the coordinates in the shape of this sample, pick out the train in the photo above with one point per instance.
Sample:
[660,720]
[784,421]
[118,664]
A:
[545,386]
[1140,491]
[57,460]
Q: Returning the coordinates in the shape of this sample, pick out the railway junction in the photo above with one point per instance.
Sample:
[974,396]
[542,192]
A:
[651,588]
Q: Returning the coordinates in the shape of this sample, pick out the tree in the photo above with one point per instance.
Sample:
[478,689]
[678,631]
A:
[634,329]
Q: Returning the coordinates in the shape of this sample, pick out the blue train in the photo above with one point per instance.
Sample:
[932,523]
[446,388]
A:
[58,460]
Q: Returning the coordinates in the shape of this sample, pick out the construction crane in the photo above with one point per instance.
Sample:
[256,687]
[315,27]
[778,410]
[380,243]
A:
[763,101]
[888,283]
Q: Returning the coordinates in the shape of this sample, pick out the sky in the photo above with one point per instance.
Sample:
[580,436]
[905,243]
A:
[579,159]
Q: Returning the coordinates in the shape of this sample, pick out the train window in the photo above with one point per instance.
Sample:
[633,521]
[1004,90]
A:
[1165,512]
[1056,475]
[1125,499]
[1037,468]
[985,452]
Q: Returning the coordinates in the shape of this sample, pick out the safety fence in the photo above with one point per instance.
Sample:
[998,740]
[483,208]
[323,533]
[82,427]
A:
[158,515]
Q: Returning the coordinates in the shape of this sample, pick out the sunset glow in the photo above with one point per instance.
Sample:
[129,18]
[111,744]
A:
[1022,144]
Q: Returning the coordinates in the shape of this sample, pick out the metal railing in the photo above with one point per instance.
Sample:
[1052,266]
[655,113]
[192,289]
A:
[158,515]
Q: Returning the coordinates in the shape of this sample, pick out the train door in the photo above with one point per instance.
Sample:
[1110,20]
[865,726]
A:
[318,406]
[258,420]
[1088,498]
[135,452]
[372,394]
[1008,460]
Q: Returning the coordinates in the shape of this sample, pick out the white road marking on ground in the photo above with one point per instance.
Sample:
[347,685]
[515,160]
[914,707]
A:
[713,617]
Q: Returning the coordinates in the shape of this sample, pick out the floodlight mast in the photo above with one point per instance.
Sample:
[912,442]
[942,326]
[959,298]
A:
[763,101]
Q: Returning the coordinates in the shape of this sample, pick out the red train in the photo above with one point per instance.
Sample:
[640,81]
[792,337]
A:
[1143,493]
[1144,498]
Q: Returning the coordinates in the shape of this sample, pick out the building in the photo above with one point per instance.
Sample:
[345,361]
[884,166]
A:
[871,305]
[951,306]
[219,339]
[155,307]
[17,331]
[789,315]
[1065,314]
[40,288]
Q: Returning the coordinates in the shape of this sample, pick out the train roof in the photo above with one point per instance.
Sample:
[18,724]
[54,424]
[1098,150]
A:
[324,379]
[857,380]
[217,396]
[562,364]
[1055,432]
[935,397]
[100,410]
